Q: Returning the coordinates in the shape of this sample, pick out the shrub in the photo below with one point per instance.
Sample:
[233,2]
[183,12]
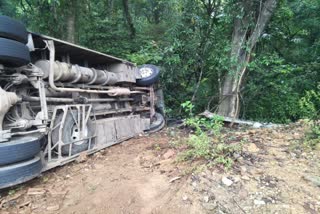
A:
[201,146]
[313,136]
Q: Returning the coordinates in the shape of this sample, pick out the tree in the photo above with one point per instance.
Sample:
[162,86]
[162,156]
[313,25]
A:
[247,29]
[128,18]
[6,8]
[210,51]
[71,20]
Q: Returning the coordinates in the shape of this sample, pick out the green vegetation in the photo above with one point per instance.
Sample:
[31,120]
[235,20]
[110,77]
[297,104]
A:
[206,143]
[216,153]
[310,106]
[312,139]
[193,43]
[213,125]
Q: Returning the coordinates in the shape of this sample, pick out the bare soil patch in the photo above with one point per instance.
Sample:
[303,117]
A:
[143,175]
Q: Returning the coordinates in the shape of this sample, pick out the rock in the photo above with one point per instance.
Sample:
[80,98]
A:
[252,131]
[243,170]
[243,194]
[206,199]
[82,158]
[236,156]
[293,155]
[313,179]
[226,181]
[259,171]
[210,206]
[236,179]
[252,148]
[98,155]
[259,202]
[184,198]
[245,177]
[169,154]
[257,125]
[53,207]
[296,136]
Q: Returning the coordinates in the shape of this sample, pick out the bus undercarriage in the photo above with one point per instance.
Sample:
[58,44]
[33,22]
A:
[59,100]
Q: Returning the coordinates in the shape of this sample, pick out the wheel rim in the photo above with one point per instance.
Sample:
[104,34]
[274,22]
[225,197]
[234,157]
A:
[76,135]
[146,72]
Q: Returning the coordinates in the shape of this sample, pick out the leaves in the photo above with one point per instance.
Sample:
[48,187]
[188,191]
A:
[186,39]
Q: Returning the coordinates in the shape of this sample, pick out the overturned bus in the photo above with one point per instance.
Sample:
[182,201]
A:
[59,100]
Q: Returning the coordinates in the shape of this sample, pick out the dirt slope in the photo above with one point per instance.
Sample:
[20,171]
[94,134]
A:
[127,178]
[142,176]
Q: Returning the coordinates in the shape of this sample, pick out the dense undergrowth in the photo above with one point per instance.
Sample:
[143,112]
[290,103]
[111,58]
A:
[192,47]
[205,141]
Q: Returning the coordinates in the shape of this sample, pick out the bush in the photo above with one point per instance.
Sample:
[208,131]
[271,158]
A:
[213,125]
[310,104]
[201,146]
[313,136]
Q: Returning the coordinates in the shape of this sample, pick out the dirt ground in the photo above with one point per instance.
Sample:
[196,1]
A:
[142,175]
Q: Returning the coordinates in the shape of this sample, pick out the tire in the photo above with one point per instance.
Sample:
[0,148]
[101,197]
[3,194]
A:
[12,29]
[157,124]
[67,137]
[19,149]
[13,53]
[150,77]
[21,172]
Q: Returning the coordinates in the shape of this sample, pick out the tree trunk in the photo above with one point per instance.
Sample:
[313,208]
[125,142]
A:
[110,7]
[243,41]
[156,10]
[71,21]
[129,18]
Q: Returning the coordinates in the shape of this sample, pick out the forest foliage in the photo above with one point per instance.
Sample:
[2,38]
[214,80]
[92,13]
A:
[191,41]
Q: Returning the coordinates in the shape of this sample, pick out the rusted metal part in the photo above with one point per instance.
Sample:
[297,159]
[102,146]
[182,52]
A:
[141,88]
[107,132]
[64,72]
[51,48]
[101,93]
[55,148]
[152,102]
[119,111]
[119,92]
[79,100]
